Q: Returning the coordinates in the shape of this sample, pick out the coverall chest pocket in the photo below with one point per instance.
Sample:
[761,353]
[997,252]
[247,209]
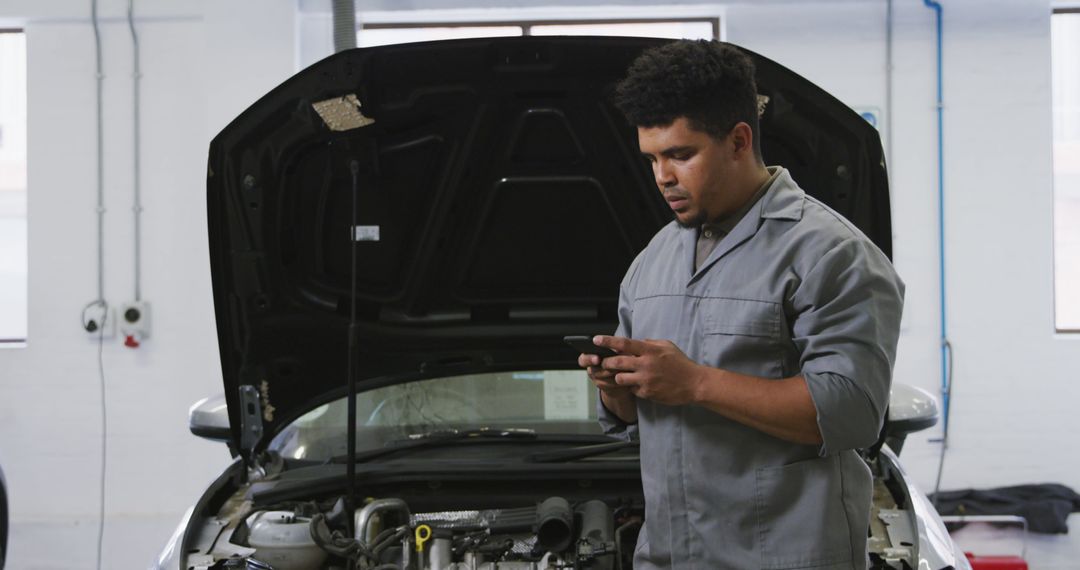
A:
[741,335]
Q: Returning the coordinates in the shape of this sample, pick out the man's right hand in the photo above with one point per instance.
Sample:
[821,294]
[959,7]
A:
[619,400]
[602,378]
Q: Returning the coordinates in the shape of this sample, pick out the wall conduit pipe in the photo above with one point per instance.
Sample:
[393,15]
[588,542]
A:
[946,346]
[889,25]
[137,205]
[99,74]
[100,77]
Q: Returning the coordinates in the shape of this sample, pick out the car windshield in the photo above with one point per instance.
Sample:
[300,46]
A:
[546,401]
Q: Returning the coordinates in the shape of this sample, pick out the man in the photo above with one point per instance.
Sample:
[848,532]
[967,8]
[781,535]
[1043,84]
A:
[756,340]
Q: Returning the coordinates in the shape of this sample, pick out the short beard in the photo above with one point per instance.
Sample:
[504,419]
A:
[695,222]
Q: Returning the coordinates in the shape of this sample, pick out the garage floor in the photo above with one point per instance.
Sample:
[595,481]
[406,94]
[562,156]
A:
[132,542]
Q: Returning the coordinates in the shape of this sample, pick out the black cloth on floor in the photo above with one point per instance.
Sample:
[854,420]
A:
[1046,506]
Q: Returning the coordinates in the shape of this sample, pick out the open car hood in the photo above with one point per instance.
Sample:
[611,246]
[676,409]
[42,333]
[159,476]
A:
[500,198]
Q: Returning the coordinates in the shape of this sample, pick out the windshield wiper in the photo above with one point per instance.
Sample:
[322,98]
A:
[451,433]
[572,454]
[437,437]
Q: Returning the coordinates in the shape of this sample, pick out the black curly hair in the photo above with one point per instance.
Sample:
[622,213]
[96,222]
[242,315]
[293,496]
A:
[710,83]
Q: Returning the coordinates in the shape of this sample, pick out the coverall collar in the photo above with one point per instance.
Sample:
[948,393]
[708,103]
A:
[783,200]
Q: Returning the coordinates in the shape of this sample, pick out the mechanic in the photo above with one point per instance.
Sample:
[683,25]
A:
[779,322]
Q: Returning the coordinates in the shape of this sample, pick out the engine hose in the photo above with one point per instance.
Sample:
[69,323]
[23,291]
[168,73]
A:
[334,543]
[554,524]
[384,535]
[382,543]
[618,541]
[253,564]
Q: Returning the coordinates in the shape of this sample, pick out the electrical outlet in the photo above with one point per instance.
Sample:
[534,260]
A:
[99,321]
[134,322]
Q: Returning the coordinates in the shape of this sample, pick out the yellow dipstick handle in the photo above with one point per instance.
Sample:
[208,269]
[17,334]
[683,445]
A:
[423,533]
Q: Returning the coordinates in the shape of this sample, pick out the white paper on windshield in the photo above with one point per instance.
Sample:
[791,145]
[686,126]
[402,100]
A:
[566,395]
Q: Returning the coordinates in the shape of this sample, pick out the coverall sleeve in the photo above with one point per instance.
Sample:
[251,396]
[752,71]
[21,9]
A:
[611,423]
[846,328]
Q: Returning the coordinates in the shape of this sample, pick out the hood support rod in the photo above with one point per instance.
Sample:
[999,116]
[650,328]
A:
[350,465]
[344,25]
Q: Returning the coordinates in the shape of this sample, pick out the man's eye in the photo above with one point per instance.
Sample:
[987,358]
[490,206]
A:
[682,156]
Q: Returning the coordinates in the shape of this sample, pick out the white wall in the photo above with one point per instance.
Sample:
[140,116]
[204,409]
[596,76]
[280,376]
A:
[203,63]
[1014,378]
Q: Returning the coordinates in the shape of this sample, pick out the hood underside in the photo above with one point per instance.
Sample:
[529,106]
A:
[499,197]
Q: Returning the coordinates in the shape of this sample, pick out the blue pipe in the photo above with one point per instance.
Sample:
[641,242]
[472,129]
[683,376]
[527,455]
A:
[946,381]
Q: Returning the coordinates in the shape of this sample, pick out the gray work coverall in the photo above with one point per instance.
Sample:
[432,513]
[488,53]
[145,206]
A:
[793,289]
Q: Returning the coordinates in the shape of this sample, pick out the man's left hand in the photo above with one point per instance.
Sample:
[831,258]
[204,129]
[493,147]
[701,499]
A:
[653,369]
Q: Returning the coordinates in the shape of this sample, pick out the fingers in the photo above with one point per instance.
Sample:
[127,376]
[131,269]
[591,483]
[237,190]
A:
[610,387]
[633,383]
[599,373]
[600,376]
[619,363]
[587,360]
[603,379]
[621,344]
[628,379]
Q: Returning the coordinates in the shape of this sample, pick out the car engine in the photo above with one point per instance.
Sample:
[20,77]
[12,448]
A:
[554,533]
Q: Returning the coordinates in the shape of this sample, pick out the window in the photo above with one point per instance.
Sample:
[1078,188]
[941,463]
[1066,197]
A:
[12,187]
[1065,54]
[382,28]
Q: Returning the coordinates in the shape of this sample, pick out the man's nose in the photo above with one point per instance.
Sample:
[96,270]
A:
[665,177]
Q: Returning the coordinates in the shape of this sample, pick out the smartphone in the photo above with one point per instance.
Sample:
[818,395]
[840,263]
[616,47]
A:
[584,344]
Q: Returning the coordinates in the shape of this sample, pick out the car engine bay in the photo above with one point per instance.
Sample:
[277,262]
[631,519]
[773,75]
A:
[555,533]
[473,525]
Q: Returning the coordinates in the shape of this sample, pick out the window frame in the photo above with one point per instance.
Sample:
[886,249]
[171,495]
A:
[527,24]
[19,342]
[713,14]
[1072,330]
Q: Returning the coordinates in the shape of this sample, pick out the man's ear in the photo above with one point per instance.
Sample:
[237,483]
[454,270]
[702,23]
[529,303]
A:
[742,139]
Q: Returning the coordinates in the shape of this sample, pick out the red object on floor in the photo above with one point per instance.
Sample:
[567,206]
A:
[130,342]
[996,562]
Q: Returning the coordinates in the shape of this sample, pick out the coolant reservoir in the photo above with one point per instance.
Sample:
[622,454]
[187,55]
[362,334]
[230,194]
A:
[283,540]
